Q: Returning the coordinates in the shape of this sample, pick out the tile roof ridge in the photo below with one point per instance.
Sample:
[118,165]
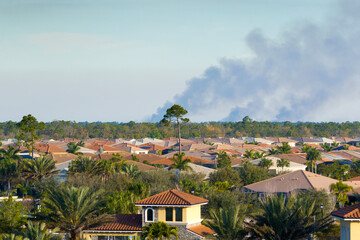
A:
[172,191]
[273,177]
[307,179]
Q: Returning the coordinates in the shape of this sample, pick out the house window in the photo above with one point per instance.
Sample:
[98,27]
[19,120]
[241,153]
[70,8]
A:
[149,216]
[178,214]
[169,214]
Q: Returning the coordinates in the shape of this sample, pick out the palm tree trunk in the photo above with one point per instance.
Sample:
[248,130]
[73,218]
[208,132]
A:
[9,186]
[73,235]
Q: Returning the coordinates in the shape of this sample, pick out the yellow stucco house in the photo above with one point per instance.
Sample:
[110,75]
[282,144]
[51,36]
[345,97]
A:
[174,207]
[349,222]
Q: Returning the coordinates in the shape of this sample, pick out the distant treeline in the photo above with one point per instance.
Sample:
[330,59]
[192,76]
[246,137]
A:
[246,127]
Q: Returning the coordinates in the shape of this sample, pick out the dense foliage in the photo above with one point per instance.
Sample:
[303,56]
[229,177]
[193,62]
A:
[246,127]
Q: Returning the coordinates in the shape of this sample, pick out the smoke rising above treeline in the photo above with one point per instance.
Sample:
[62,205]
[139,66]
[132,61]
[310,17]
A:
[310,73]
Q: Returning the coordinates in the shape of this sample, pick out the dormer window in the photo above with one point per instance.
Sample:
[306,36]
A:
[149,215]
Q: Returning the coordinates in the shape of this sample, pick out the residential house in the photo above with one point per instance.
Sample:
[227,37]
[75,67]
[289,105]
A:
[349,218]
[292,167]
[295,181]
[173,207]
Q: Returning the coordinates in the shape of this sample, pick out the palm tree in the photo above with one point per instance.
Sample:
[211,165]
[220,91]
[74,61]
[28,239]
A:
[39,231]
[10,153]
[227,223]
[341,190]
[86,165]
[283,163]
[265,163]
[273,151]
[249,154]
[346,147]
[159,230]
[305,148]
[284,148]
[12,236]
[180,163]
[131,170]
[313,155]
[335,144]
[108,168]
[259,155]
[283,219]
[73,209]
[38,169]
[10,163]
[327,147]
[8,171]
[75,147]
[122,203]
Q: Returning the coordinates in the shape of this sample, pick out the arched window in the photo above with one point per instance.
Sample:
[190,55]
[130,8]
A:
[149,215]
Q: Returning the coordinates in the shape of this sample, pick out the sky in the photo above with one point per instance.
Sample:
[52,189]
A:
[114,60]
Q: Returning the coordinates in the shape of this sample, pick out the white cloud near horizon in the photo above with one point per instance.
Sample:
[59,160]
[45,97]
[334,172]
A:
[65,42]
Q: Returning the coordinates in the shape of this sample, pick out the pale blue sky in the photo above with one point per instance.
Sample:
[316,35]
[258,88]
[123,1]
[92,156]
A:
[88,60]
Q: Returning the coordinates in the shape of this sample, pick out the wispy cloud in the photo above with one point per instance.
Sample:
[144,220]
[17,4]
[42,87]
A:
[310,73]
[64,42]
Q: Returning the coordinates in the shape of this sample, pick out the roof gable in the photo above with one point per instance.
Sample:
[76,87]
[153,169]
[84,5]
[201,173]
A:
[350,212]
[172,197]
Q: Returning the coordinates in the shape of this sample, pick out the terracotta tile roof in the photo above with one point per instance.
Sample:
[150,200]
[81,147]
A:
[122,222]
[354,179]
[62,157]
[98,142]
[151,147]
[345,155]
[298,158]
[201,230]
[142,157]
[108,155]
[172,197]
[48,148]
[350,212]
[69,140]
[106,148]
[236,161]
[142,166]
[120,145]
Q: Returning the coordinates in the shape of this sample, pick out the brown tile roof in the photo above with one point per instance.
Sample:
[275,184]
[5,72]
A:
[201,230]
[62,157]
[142,166]
[354,179]
[291,182]
[345,154]
[350,212]
[108,155]
[98,142]
[69,139]
[123,222]
[152,147]
[142,157]
[121,145]
[48,148]
[172,197]
[298,158]
[106,148]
